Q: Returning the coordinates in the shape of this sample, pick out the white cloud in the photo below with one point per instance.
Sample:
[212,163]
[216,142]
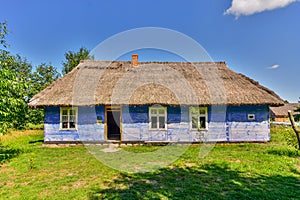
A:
[274,67]
[249,7]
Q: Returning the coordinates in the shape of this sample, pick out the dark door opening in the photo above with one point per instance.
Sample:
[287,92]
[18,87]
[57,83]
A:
[113,123]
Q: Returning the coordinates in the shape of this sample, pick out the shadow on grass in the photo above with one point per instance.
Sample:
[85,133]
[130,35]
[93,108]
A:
[7,153]
[285,152]
[202,182]
[36,141]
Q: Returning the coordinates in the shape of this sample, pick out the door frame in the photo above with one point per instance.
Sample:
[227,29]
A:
[107,108]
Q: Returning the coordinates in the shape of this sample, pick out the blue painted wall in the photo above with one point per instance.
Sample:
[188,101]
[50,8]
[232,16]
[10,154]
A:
[224,124]
[87,127]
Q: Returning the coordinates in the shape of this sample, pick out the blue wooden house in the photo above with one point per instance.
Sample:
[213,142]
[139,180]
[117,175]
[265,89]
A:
[125,101]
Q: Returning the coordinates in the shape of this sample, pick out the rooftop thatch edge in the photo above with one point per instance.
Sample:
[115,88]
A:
[282,111]
[165,83]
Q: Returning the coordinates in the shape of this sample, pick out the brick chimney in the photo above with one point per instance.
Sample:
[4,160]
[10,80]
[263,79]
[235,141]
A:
[135,60]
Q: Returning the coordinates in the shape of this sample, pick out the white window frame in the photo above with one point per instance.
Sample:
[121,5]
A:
[61,116]
[251,117]
[157,115]
[198,115]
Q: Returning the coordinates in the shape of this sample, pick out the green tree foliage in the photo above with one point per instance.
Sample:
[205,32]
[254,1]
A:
[73,59]
[12,88]
[18,83]
[43,76]
[3,33]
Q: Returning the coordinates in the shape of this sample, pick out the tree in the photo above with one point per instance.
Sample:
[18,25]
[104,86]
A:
[18,83]
[3,33]
[74,58]
[295,128]
[42,77]
[12,96]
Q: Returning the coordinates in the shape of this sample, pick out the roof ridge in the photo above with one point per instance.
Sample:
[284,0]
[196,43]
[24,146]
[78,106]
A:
[156,62]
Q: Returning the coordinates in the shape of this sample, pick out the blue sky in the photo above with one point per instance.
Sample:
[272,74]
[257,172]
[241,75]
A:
[260,39]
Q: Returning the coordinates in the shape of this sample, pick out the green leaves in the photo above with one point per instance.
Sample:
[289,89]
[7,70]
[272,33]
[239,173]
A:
[12,93]
[74,58]
[3,33]
[18,83]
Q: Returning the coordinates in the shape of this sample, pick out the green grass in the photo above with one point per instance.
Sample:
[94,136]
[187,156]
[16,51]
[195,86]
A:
[30,170]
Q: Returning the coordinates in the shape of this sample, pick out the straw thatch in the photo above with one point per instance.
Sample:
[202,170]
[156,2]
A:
[166,83]
[282,111]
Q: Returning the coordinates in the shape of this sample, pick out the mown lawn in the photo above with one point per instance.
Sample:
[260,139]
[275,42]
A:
[30,170]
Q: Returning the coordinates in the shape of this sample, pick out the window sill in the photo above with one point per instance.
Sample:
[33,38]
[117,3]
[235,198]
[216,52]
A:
[202,129]
[68,129]
[164,129]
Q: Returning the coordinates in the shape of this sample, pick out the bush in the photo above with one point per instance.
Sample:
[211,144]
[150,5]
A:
[30,126]
[291,138]
[284,134]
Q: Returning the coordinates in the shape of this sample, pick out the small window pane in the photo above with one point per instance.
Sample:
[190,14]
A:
[202,112]
[72,125]
[251,116]
[72,112]
[161,122]
[161,112]
[64,118]
[202,121]
[153,122]
[65,112]
[194,110]
[194,122]
[72,118]
[153,111]
[65,125]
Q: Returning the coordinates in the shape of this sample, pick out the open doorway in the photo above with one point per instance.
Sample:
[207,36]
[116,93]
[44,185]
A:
[113,122]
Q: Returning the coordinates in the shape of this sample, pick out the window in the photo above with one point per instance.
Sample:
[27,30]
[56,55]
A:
[251,116]
[158,118]
[68,118]
[198,118]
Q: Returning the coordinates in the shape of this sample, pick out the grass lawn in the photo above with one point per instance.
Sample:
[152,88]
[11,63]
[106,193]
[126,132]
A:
[29,170]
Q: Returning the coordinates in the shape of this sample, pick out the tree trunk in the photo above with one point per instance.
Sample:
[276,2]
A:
[296,129]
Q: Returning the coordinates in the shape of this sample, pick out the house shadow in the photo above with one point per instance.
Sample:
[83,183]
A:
[215,181]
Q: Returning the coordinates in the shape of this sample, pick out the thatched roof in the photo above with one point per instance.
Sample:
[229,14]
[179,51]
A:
[282,111]
[165,83]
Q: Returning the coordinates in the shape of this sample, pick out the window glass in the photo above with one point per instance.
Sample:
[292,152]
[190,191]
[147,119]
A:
[72,112]
[162,122]
[72,118]
[202,122]
[72,125]
[194,110]
[65,112]
[194,122]
[64,118]
[68,118]
[154,122]
[198,117]
[157,118]
[65,125]
[153,111]
[202,112]
[161,112]
[251,116]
